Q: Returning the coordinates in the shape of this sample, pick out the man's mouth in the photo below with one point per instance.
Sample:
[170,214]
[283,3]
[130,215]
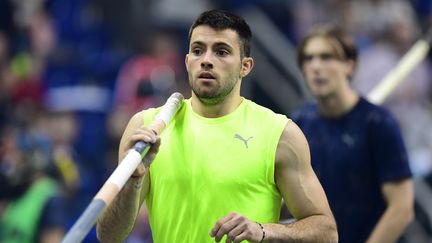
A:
[206,76]
[320,81]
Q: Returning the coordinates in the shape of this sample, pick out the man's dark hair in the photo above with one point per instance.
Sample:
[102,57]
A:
[221,20]
[341,42]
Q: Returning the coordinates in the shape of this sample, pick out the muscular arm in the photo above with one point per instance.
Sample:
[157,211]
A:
[398,214]
[302,193]
[118,219]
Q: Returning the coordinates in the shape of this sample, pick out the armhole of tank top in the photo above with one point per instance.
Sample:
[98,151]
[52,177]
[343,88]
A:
[148,115]
[276,132]
[145,120]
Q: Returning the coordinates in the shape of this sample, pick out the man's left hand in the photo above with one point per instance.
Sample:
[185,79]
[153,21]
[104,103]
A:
[237,228]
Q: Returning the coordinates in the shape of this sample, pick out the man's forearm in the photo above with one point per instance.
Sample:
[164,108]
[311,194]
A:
[317,228]
[391,225]
[118,219]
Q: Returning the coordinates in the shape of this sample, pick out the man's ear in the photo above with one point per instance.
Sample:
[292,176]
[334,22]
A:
[186,62]
[350,68]
[247,65]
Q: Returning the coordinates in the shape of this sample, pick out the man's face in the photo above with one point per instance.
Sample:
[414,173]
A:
[325,73]
[213,63]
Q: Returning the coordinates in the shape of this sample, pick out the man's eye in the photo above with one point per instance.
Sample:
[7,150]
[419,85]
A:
[322,57]
[307,58]
[197,51]
[222,52]
[326,56]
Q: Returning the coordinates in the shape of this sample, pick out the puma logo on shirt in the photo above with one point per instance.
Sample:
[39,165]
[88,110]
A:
[245,141]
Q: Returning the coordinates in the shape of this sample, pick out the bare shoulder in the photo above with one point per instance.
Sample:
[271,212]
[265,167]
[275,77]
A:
[134,123]
[293,147]
[137,119]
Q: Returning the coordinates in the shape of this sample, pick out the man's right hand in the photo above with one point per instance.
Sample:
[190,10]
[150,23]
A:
[147,135]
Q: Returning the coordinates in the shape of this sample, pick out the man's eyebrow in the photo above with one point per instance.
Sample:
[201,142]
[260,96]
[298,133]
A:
[318,53]
[216,44]
[197,43]
[223,44]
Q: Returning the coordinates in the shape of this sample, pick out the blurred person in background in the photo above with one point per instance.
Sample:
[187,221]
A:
[356,147]
[144,80]
[32,207]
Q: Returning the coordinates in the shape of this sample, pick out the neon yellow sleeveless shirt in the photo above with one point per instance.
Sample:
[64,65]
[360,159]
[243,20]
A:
[207,168]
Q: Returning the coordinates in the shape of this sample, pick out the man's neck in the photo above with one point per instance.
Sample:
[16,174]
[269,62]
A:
[225,107]
[337,105]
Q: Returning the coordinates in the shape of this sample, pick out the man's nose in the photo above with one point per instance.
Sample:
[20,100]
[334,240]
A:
[315,62]
[206,62]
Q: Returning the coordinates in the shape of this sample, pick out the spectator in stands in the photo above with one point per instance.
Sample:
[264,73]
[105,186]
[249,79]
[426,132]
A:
[356,147]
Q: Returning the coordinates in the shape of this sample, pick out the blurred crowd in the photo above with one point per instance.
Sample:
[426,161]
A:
[72,73]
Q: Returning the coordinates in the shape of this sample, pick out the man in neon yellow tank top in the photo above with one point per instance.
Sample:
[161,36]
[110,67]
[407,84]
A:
[225,163]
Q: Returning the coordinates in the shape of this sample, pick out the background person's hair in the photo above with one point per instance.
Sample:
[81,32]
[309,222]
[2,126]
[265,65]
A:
[342,43]
[221,20]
